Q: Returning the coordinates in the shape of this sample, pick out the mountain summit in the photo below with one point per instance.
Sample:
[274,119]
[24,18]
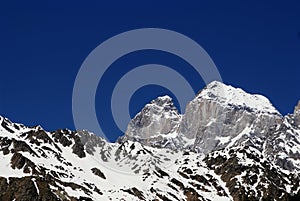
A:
[228,95]
[158,117]
[297,108]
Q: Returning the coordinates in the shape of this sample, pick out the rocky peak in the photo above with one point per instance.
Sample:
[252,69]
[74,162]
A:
[163,100]
[297,108]
[231,96]
[222,115]
[218,116]
[296,116]
[163,104]
[159,117]
[9,126]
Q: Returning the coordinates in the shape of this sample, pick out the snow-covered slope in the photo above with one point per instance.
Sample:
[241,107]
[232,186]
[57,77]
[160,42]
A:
[66,165]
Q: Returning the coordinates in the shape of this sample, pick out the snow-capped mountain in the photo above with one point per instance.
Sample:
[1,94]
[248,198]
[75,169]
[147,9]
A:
[160,117]
[221,116]
[229,145]
[217,117]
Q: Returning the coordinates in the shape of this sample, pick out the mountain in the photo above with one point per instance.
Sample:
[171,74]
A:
[156,118]
[217,117]
[229,145]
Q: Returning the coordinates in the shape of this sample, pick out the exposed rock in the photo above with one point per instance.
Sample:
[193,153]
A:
[160,117]
[5,125]
[62,137]
[98,172]
[19,146]
[296,115]
[19,189]
[19,161]
[91,142]
[134,191]
[297,108]
[78,147]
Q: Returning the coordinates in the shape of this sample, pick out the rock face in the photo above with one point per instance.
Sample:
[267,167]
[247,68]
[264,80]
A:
[218,116]
[229,145]
[160,117]
[220,113]
[296,115]
[157,120]
[297,108]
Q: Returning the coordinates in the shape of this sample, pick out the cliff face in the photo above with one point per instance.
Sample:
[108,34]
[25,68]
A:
[160,117]
[221,115]
[217,117]
[297,108]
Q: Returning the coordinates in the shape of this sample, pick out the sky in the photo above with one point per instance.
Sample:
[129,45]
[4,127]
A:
[255,45]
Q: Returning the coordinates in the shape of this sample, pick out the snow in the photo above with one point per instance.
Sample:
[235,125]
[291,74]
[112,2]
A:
[246,131]
[223,140]
[165,98]
[36,186]
[223,185]
[229,95]
[119,174]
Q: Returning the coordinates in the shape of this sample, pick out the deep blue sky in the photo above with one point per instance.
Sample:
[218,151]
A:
[255,46]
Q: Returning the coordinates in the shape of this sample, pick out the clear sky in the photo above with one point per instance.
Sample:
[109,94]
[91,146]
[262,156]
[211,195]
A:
[255,45]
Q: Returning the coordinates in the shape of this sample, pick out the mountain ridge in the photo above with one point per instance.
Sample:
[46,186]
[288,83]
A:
[218,109]
[215,151]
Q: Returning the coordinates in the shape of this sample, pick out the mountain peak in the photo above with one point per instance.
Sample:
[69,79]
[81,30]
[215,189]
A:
[162,100]
[165,97]
[215,84]
[159,117]
[228,95]
[297,108]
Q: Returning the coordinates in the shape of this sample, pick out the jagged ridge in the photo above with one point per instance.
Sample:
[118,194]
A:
[220,150]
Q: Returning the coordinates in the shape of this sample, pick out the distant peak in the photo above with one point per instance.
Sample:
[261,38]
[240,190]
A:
[38,128]
[229,95]
[215,84]
[297,108]
[162,100]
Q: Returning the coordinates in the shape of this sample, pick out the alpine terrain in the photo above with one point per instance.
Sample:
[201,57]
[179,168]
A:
[229,145]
